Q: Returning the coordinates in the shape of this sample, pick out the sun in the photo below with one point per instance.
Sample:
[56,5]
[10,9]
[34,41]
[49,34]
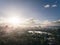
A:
[14,20]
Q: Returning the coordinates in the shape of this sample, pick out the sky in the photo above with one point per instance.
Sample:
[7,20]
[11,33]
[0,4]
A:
[37,9]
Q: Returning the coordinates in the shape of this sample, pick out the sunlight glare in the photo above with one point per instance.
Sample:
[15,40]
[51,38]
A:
[15,20]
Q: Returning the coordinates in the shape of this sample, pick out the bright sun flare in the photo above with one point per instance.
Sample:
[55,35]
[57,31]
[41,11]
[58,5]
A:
[14,20]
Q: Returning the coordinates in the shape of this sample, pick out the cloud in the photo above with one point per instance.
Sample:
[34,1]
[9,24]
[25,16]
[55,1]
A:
[54,5]
[39,23]
[45,23]
[55,23]
[2,19]
[50,23]
[47,6]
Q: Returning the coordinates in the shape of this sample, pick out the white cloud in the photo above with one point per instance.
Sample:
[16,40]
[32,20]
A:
[54,5]
[58,21]
[47,6]
[45,23]
[55,23]
[50,23]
